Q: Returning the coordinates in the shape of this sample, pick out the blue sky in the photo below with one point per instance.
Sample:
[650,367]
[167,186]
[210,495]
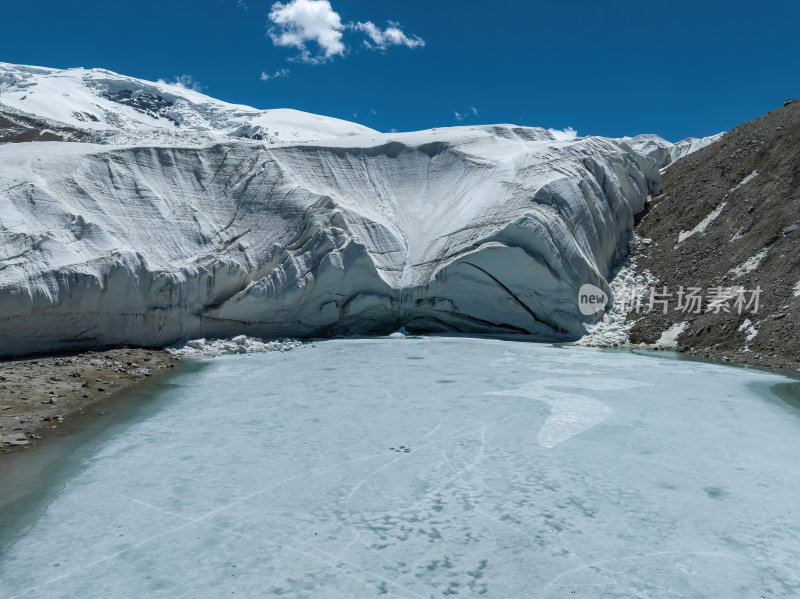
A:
[606,68]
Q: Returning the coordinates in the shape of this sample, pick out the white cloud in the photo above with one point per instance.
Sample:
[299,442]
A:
[299,22]
[276,75]
[243,5]
[460,116]
[566,134]
[315,29]
[393,35]
[183,81]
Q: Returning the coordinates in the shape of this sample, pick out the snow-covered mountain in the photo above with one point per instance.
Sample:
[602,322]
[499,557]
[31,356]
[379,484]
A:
[104,107]
[164,231]
[665,152]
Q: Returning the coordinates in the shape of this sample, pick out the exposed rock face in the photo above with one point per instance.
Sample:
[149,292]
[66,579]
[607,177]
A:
[18,128]
[726,218]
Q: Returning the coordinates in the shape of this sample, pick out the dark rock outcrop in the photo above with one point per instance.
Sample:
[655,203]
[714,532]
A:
[751,180]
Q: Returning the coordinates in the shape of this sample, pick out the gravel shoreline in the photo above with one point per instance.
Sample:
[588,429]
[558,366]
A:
[38,394]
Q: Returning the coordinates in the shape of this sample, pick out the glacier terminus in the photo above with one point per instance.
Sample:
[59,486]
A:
[143,213]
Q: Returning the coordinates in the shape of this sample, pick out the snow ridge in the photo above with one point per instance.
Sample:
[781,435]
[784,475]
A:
[106,107]
[664,152]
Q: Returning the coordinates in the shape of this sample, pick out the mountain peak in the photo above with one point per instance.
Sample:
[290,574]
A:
[104,107]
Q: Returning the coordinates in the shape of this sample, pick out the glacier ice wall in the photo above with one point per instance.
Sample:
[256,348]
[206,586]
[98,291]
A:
[665,152]
[473,229]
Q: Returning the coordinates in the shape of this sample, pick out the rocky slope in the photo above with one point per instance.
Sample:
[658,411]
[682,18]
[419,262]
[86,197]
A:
[728,218]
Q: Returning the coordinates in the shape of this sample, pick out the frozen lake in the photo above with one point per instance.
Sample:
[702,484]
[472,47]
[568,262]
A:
[424,468]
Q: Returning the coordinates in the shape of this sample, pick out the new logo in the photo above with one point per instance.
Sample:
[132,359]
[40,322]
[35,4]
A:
[591,300]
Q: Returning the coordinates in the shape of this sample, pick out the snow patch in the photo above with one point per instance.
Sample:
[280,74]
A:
[744,181]
[748,265]
[669,338]
[703,224]
[571,411]
[240,344]
[797,289]
[614,328]
[750,331]
[400,333]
